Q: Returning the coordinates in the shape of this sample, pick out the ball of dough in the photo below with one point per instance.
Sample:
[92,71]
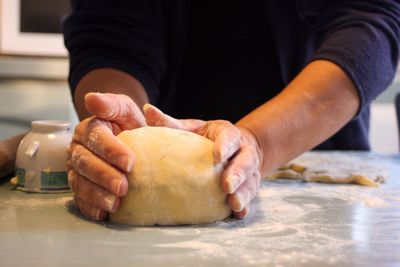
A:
[174,180]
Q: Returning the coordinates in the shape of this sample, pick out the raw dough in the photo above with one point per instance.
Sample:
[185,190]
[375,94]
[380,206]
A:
[174,180]
[333,168]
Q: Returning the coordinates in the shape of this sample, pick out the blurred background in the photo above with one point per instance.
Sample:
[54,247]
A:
[34,70]
[33,64]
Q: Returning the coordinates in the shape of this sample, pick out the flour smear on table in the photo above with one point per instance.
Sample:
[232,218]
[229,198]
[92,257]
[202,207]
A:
[286,230]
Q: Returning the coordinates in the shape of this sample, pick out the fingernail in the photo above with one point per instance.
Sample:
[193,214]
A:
[87,95]
[110,202]
[127,163]
[233,183]
[237,204]
[242,214]
[146,107]
[91,93]
[116,186]
[99,94]
[223,154]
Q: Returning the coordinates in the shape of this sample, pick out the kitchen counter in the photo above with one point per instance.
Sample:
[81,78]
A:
[291,224]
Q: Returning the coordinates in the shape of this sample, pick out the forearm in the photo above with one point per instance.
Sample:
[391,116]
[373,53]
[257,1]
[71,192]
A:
[315,105]
[106,80]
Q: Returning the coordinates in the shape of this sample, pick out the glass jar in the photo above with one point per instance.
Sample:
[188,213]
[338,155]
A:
[41,163]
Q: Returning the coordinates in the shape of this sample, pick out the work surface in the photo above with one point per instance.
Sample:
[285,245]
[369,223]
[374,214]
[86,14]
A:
[291,224]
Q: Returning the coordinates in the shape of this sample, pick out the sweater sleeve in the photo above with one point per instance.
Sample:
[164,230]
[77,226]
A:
[362,37]
[125,35]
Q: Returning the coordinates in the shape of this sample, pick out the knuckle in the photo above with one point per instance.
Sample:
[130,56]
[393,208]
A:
[80,129]
[223,123]
[106,181]
[228,128]
[92,139]
[252,155]
[109,152]
[70,153]
[84,128]
[115,109]
[78,161]
[95,140]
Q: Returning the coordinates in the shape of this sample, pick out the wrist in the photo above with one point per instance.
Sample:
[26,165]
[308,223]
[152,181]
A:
[253,139]
[313,107]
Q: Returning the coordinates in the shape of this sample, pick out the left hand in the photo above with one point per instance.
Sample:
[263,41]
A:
[238,146]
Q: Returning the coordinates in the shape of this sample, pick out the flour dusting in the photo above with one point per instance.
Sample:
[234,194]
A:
[290,224]
[30,201]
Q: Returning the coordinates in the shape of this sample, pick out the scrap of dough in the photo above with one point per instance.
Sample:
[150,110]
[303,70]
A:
[174,180]
[286,173]
[332,168]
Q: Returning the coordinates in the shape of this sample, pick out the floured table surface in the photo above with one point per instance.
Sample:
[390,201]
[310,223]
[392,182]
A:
[291,224]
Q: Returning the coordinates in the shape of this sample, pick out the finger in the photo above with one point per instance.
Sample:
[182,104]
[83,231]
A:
[243,165]
[97,137]
[89,210]
[245,193]
[241,214]
[118,108]
[227,142]
[99,172]
[91,193]
[155,117]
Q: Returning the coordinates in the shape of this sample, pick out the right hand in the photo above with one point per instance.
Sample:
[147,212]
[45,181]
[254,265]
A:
[97,160]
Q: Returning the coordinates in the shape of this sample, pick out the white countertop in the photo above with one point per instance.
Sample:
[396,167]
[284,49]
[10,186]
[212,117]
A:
[291,224]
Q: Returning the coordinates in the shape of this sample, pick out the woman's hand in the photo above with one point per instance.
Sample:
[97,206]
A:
[97,160]
[234,145]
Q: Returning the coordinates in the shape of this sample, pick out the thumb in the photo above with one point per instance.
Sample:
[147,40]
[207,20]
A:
[118,108]
[155,117]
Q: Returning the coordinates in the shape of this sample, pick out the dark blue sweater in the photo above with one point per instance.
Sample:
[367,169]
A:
[147,39]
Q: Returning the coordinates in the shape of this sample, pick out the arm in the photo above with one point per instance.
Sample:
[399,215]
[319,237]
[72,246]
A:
[107,80]
[115,47]
[316,104]
[355,61]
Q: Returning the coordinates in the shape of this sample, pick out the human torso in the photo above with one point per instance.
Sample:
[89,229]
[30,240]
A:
[229,66]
